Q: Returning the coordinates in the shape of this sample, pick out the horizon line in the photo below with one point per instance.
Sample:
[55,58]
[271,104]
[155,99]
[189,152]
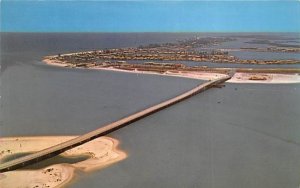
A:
[150,32]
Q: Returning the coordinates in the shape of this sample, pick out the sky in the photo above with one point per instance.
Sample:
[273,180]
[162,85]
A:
[149,16]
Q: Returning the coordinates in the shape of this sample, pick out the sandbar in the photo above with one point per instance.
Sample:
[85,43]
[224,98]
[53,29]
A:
[262,78]
[101,152]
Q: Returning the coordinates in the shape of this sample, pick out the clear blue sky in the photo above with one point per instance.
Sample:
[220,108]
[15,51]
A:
[153,16]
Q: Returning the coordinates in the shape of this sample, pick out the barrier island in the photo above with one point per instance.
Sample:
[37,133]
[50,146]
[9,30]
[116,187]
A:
[151,59]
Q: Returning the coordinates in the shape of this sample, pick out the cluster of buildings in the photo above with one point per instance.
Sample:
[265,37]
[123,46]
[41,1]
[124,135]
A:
[188,50]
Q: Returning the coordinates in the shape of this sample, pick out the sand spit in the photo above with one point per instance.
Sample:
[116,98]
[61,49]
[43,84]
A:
[263,78]
[102,152]
[55,63]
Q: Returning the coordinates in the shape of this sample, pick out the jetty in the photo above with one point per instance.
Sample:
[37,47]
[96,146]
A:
[104,130]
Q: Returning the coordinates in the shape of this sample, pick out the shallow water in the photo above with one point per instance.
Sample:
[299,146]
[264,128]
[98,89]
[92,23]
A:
[243,135]
[266,55]
[43,164]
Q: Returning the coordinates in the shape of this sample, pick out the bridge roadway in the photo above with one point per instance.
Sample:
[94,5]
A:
[60,148]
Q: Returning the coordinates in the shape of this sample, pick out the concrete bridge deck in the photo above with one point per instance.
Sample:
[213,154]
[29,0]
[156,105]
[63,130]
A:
[60,148]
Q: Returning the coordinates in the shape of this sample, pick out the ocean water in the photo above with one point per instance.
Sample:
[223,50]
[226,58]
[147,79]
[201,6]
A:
[243,135]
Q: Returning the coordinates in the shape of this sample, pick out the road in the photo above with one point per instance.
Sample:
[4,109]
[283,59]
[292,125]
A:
[60,148]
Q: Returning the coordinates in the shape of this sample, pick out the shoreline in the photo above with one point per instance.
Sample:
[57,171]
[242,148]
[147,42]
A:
[238,77]
[102,152]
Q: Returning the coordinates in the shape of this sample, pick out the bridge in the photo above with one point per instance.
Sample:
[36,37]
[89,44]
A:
[60,148]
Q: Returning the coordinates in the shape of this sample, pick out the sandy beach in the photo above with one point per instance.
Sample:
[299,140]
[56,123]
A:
[101,152]
[261,78]
[264,78]
[54,63]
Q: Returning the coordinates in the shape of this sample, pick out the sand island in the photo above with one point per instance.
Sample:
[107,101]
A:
[100,153]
